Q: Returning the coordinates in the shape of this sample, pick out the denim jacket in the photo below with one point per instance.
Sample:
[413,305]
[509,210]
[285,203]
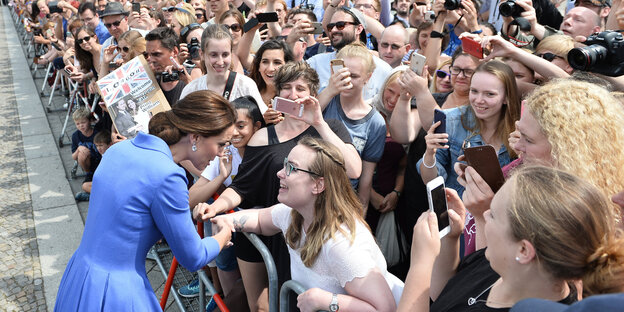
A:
[446,158]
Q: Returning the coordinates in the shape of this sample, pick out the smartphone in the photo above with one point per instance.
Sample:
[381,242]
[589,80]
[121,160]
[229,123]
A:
[318,28]
[336,65]
[136,7]
[56,46]
[485,161]
[417,63]
[439,115]
[437,204]
[250,24]
[54,8]
[49,32]
[472,47]
[287,106]
[268,17]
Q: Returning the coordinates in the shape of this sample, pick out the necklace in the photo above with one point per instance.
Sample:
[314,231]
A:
[473,300]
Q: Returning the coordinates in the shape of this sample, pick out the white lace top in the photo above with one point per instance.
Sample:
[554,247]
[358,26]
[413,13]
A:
[339,261]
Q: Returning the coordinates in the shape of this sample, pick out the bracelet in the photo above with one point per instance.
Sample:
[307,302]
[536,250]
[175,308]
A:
[477,32]
[429,167]
[397,192]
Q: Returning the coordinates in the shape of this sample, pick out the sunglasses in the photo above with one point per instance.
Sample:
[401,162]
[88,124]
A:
[339,25]
[442,74]
[549,56]
[125,49]
[289,168]
[116,24]
[394,46]
[168,9]
[85,39]
[234,27]
[199,15]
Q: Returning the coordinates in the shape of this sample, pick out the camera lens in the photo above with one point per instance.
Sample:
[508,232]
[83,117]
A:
[452,4]
[587,57]
[507,9]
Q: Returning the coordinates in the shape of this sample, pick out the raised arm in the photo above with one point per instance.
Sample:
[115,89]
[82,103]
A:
[405,121]
[434,47]
[274,28]
[244,50]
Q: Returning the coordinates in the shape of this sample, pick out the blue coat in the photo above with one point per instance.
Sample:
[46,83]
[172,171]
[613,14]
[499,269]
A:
[139,194]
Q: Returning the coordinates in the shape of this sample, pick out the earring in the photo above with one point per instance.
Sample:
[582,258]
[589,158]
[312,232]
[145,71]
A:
[194,147]
[518,259]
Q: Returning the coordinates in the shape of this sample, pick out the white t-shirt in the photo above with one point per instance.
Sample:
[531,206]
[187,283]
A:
[243,86]
[339,261]
[212,170]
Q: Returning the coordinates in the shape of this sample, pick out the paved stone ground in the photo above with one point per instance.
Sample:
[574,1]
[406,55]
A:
[21,283]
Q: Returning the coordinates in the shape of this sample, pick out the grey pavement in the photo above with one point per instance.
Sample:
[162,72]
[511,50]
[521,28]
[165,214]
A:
[40,222]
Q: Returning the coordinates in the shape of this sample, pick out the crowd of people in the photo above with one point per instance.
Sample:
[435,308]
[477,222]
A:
[389,95]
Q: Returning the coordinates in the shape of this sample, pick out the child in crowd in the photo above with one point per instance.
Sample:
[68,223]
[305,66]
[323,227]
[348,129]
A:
[216,177]
[102,141]
[83,149]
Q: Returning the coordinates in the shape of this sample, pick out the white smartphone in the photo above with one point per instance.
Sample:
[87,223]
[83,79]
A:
[417,63]
[437,204]
[287,106]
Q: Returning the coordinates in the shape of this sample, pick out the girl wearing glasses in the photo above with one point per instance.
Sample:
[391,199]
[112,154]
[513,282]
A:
[256,183]
[442,79]
[332,251]
[87,49]
[233,20]
[129,45]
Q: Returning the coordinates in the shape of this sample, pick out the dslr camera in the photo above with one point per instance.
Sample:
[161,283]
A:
[194,49]
[167,77]
[604,54]
[510,9]
[451,5]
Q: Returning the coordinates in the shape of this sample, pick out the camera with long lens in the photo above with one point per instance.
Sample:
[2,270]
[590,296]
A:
[194,49]
[451,5]
[510,9]
[604,54]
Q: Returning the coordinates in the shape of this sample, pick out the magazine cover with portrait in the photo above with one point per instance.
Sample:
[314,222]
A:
[132,96]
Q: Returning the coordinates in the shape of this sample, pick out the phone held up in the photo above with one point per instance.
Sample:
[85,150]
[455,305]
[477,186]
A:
[336,65]
[437,204]
[136,7]
[472,47]
[485,161]
[417,63]
[287,106]
[439,115]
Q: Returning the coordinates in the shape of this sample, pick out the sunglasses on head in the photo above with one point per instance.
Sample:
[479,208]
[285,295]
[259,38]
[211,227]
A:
[85,39]
[234,27]
[116,24]
[442,74]
[339,25]
[548,56]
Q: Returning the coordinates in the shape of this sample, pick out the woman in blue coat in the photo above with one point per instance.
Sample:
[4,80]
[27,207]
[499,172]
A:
[140,195]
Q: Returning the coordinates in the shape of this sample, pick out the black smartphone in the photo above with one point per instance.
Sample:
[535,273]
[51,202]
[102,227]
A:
[136,7]
[439,115]
[250,24]
[267,17]
[485,161]
[53,6]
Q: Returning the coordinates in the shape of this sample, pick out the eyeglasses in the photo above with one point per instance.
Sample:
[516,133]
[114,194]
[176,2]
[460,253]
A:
[289,168]
[364,5]
[549,56]
[168,9]
[199,15]
[116,24]
[125,49]
[394,46]
[442,74]
[467,72]
[85,39]
[339,25]
[234,27]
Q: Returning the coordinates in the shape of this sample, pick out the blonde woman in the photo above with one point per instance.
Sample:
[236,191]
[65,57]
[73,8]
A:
[332,251]
[183,15]
[130,44]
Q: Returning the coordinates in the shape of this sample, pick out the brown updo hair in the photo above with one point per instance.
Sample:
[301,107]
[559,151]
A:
[569,222]
[202,112]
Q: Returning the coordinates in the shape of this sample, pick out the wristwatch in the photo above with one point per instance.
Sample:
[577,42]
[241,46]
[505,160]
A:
[333,306]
